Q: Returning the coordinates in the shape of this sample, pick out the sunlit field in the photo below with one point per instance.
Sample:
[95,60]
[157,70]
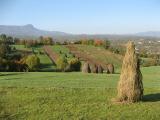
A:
[76,95]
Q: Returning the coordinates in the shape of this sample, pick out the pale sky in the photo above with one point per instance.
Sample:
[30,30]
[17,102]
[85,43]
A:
[83,16]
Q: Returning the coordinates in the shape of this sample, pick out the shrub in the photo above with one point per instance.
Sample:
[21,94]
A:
[60,52]
[117,49]
[33,62]
[71,55]
[61,63]
[75,64]
[149,62]
[84,42]
[98,42]
[91,42]
[106,44]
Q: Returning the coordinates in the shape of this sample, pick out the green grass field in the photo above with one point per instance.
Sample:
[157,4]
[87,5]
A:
[74,96]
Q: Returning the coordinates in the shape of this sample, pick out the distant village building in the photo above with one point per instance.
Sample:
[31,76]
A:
[139,42]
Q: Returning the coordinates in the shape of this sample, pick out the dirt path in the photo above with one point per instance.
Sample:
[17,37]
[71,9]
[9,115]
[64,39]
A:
[51,54]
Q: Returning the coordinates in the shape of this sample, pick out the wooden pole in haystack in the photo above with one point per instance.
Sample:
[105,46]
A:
[93,68]
[130,86]
[110,68]
[86,68]
[100,69]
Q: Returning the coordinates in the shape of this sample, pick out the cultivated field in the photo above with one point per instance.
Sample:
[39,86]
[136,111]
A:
[96,54]
[71,96]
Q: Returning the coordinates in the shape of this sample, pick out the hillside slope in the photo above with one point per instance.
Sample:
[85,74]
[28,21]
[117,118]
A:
[96,54]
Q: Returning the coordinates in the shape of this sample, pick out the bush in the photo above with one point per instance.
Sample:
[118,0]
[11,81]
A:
[98,42]
[149,62]
[33,62]
[75,64]
[61,63]
[117,49]
[106,44]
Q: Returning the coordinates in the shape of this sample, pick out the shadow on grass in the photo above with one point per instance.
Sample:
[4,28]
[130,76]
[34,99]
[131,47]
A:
[46,65]
[152,97]
[11,78]
[11,73]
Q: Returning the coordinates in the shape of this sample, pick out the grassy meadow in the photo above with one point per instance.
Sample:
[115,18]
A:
[74,96]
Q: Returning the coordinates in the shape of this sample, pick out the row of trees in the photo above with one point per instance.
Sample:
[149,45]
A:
[31,43]
[28,42]
[95,42]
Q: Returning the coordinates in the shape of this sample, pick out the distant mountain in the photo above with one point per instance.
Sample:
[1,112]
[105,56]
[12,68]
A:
[149,34]
[27,31]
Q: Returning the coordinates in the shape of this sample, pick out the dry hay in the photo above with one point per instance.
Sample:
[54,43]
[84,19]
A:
[93,68]
[105,69]
[67,68]
[110,68]
[86,68]
[100,69]
[130,86]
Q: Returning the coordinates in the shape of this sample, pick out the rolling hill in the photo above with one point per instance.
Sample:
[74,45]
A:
[27,31]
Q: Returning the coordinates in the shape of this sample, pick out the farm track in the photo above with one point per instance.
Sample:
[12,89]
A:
[51,54]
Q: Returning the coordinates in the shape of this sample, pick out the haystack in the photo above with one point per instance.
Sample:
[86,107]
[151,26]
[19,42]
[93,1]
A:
[100,69]
[93,68]
[110,68]
[86,68]
[105,69]
[130,86]
[68,68]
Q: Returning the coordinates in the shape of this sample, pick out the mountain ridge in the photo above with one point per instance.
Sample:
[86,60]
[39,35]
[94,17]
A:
[27,31]
[30,31]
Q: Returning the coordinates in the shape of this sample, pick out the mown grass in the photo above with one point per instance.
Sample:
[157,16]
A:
[46,63]
[74,96]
